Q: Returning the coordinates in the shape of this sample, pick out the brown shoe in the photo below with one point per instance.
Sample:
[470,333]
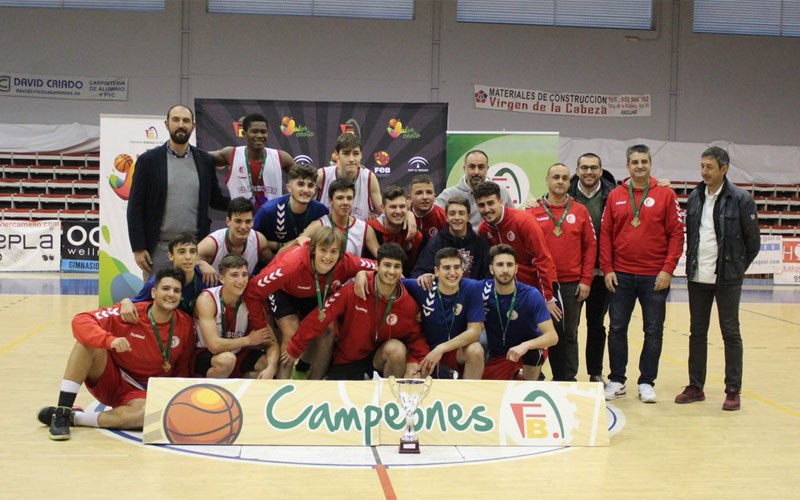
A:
[691,394]
[732,401]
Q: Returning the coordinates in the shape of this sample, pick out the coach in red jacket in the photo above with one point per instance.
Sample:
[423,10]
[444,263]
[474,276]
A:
[641,240]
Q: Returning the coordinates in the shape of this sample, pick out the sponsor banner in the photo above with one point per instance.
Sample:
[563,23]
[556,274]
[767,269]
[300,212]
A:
[561,103]
[80,246]
[400,140]
[768,260]
[97,88]
[122,139]
[518,161]
[366,413]
[790,268]
[30,245]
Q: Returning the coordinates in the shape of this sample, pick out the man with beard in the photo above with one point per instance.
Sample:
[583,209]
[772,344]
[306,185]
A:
[256,171]
[476,166]
[173,186]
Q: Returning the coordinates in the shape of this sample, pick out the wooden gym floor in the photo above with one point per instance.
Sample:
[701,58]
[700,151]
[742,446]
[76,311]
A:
[657,451]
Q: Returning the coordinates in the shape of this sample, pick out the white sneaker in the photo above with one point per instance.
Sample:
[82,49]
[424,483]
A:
[646,393]
[615,390]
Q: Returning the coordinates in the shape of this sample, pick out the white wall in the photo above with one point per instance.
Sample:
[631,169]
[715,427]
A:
[733,88]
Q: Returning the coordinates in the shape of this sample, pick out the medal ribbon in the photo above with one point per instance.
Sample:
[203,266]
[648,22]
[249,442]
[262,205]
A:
[227,326]
[346,227]
[553,217]
[249,169]
[321,296]
[641,202]
[377,306]
[229,243]
[508,314]
[452,312]
[164,352]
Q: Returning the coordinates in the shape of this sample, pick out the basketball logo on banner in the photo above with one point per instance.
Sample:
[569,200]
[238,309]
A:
[203,414]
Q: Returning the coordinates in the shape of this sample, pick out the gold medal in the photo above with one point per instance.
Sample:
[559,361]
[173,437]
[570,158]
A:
[557,231]
[635,222]
[321,316]
[166,366]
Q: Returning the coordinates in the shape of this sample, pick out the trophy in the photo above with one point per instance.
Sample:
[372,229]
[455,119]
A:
[409,392]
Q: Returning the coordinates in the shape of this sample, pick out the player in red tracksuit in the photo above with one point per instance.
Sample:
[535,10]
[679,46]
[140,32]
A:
[116,359]
[380,332]
[514,227]
[297,282]
[641,240]
[567,228]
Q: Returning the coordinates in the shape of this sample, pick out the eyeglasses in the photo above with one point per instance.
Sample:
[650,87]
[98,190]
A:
[585,168]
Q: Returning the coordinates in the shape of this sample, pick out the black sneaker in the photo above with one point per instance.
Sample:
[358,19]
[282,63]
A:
[61,421]
[46,415]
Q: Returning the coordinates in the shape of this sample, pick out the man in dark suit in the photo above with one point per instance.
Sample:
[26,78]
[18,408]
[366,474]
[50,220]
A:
[173,186]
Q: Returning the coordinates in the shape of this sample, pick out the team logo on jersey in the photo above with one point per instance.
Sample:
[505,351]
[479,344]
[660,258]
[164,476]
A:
[457,309]
[176,341]
[512,315]
[137,336]
[433,231]
[649,202]
[391,320]
[571,218]
[511,236]
[361,309]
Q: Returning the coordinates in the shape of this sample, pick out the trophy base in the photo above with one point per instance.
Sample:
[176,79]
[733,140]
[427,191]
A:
[409,446]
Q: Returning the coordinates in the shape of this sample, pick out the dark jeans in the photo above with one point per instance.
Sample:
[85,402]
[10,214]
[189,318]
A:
[596,309]
[701,296]
[620,307]
[564,355]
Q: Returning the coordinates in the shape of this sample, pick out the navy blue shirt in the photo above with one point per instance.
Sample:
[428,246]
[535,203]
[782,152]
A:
[277,222]
[530,309]
[189,292]
[461,308]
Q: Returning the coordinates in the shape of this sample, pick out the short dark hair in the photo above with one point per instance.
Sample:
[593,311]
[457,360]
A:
[502,249]
[420,179]
[486,188]
[590,155]
[340,185]
[240,205]
[303,171]
[637,148]
[253,117]
[476,151]
[718,154]
[391,251]
[555,165]
[169,272]
[326,237]
[181,239]
[447,253]
[231,261]
[169,111]
[392,192]
[348,141]
[458,200]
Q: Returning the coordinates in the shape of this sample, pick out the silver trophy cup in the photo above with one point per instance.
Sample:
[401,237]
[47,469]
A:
[409,393]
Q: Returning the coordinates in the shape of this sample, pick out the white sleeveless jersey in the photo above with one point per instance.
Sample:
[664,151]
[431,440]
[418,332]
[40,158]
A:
[251,252]
[239,327]
[270,185]
[362,203]
[356,235]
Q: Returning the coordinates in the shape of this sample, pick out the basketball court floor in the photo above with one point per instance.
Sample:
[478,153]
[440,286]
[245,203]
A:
[657,450]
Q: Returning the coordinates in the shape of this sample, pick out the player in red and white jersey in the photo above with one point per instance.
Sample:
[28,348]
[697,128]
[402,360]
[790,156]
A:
[116,359]
[226,347]
[568,231]
[379,332]
[366,189]
[388,226]
[503,224]
[430,217]
[255,170]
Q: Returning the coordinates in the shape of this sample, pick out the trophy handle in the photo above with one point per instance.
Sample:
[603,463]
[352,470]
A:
[393,386]
[428,382]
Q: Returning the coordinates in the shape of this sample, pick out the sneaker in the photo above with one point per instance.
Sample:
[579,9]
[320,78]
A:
[60,423]
[597,378]
[45,415]
[691,394]
[732,401]
[298,375]
[647,393]
[615,390]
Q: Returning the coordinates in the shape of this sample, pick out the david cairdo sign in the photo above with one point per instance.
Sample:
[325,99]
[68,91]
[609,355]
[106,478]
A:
[548,102]
[366,413]
[98,88]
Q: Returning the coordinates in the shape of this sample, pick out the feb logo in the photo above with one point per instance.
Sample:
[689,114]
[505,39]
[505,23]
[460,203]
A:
[532,415]
[151,133]
[203,414]
[382,158]
[536,417]
[238,128]
[350,127]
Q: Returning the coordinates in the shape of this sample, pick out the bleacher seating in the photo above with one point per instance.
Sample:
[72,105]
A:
[46,186]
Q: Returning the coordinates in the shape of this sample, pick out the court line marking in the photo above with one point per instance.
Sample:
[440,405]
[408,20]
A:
[26,336]
[770,317]
[383,476]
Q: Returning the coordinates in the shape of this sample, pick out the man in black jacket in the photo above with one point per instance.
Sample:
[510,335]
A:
[173,186]
[723,238]
[590,187]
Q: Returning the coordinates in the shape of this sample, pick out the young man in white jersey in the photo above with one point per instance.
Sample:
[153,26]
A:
[238,238]
[357,233]
[366,189]
[224,346]
[255,170]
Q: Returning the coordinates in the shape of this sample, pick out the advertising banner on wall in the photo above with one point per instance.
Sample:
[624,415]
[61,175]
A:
[30,245]
[768,261]
[80,246]
[790,268]
[400,140]
[518,161]
[122,139]
[547,102]
[98,88]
